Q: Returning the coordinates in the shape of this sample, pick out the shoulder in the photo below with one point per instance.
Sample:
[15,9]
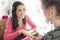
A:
[52,35]
[27,17]
[48,36]
[9,20]
[9,24]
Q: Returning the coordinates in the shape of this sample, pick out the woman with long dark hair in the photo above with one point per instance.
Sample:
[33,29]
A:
[16,26]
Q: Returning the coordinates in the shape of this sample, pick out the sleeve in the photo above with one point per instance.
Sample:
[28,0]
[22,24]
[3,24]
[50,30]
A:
[33,26]
[8,35]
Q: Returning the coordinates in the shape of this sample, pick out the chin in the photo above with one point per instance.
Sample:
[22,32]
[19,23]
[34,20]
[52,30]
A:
[21,16]
[47,20]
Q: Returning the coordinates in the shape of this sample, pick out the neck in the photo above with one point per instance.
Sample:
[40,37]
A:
[19,19]
[20,22]
[56,22]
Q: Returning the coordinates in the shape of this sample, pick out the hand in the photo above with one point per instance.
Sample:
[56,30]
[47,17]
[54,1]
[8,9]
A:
[25,32]
[37,36]
[30,36]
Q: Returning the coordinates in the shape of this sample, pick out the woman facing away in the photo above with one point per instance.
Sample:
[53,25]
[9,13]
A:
[16,26]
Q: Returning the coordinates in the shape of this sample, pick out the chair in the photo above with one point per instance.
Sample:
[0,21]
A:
[2,28]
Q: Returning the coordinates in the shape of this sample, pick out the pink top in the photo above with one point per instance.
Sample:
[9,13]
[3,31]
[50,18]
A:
[11,34]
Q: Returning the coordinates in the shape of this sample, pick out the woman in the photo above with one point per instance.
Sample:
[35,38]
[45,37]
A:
[16,26]
[51,9]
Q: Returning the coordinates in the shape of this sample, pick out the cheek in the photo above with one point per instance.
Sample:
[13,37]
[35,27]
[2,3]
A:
[24,13]
[19,13]
[46,14]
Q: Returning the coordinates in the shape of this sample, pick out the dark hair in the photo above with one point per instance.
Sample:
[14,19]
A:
[15,20]
[14,16]
[49,3]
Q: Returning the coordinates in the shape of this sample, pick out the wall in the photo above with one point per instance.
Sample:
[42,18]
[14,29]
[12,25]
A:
[4,7]
[33,10]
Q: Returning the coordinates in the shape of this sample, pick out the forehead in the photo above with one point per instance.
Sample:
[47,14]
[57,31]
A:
[20,7]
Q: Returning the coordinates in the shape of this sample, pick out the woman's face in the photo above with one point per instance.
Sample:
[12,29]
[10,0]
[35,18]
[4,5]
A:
[20,11]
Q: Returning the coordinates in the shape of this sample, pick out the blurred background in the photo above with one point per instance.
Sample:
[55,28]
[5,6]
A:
[33,10]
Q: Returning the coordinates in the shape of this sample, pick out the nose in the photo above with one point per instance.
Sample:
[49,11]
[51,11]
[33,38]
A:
[22,12]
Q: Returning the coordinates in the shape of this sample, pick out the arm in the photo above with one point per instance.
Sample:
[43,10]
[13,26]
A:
[8,35]
[33,26]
